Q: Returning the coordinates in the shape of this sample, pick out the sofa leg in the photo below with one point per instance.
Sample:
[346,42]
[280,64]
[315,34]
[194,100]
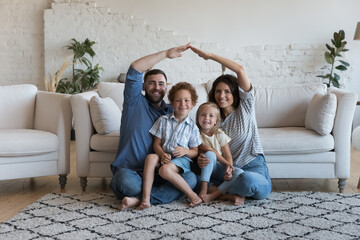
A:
[83,183]
[62,180]
[342,184]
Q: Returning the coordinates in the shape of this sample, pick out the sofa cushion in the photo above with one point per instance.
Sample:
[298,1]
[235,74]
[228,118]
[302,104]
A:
[284,105]
[113,90]
[294,140]
[105,143]
[321,112]
[105,114]
[17,106]
[26,142]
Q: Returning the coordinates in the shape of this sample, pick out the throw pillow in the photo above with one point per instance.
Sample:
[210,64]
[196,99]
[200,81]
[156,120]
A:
[105,114]
[320,113]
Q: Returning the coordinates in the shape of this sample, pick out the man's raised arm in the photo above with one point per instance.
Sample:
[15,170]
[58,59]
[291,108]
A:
[145,63]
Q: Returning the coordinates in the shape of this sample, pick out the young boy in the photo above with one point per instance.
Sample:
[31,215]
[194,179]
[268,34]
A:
[176,141]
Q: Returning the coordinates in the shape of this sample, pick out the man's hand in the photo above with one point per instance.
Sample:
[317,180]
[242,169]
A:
[165,158]
[180,151]
[176,51]
[202,160]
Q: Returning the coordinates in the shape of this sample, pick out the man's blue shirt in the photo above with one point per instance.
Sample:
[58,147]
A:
[138,116]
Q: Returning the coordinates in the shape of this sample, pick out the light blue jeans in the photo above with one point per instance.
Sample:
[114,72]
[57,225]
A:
[216,170]
[254,182]
[127,182]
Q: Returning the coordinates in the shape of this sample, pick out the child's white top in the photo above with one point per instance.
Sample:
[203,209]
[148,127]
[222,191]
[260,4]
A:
[216,141]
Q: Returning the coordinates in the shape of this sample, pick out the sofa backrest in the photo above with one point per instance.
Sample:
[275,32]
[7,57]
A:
[276,105]
[17,106]
[284,105]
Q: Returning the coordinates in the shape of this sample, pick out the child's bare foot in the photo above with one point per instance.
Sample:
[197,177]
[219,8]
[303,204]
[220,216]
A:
[211,196]
[129,202]
[201,193]
[238,200]
[207,198]
[144,205]
[195,201]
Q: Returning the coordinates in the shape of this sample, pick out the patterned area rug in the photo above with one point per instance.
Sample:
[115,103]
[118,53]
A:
[285,215]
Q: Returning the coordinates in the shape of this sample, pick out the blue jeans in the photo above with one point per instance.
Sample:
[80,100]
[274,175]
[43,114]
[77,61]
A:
[255,182]
[127,182]
[216,170]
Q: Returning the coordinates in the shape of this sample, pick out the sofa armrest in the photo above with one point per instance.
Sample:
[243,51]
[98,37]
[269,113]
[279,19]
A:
[53,114]
[346,103]
[83,130]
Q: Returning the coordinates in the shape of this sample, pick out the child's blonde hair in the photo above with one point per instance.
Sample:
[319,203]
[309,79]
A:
[217,112]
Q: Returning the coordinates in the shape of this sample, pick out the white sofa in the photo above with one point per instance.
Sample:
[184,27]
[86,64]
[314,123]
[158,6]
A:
[291,150]
[35,131]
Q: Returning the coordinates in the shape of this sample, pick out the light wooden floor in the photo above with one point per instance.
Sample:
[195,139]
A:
[17,194]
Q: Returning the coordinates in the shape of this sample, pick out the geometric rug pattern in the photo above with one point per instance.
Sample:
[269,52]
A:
[284,215]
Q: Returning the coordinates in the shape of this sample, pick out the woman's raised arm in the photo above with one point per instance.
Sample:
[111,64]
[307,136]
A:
[243,80]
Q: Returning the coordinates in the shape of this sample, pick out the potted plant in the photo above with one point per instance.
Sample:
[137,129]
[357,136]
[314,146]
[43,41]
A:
[82,79]
[332,57]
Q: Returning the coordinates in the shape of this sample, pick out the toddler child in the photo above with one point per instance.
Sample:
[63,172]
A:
[215,143]
[176,141]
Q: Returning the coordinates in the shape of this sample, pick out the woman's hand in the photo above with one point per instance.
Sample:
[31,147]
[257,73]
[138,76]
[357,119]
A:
[165,158]
[180,151]
[202,160]
[202,54]
[228,172]
[176,51]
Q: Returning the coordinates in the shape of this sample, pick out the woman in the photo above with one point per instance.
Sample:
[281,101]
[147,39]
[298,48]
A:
[235,98]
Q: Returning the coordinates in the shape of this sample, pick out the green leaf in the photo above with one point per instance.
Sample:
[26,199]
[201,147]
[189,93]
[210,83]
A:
[328,47]
[328,58]
[345,50]
[336,76]
[344,63]
[341,67]
[342,34]
[335,83]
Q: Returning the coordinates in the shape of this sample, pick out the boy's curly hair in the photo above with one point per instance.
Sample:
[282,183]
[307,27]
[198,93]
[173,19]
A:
[183,86]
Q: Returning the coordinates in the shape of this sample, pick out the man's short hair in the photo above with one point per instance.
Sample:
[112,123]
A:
[154,72]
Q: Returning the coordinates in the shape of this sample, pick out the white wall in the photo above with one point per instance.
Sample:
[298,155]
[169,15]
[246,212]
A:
[238,23]
[241,26]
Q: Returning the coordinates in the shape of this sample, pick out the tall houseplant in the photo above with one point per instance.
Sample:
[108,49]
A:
[82,79]
[332,57]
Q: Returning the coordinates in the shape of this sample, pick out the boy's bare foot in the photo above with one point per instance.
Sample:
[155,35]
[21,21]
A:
[129,202]
[195,201]
[144,205]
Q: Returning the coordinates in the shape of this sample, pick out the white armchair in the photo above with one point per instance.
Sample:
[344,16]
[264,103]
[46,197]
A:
[35,131]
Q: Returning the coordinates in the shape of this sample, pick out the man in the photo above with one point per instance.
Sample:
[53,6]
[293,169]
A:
[139,114]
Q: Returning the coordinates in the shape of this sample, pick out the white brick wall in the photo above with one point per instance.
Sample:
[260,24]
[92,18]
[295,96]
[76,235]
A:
[123,38]
[22,41]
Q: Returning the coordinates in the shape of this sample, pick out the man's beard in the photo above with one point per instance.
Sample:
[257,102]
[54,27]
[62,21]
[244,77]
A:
[155,100]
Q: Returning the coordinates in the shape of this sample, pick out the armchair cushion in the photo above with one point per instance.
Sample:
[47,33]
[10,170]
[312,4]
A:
[26,142]
[105,114]
[320,114]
